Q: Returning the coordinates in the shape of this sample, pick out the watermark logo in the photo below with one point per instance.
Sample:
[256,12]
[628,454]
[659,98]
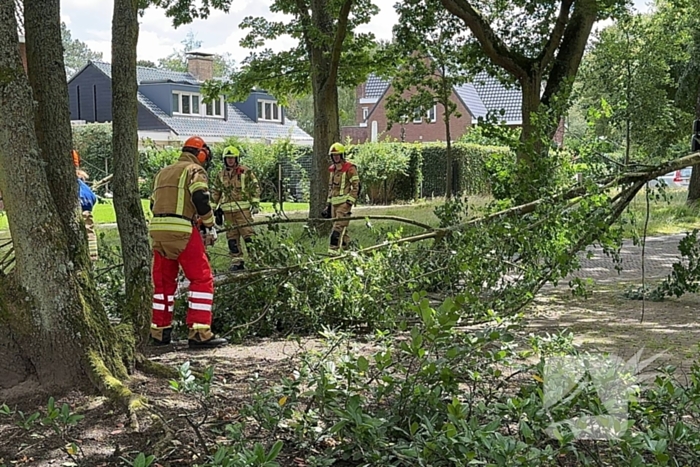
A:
[613,379]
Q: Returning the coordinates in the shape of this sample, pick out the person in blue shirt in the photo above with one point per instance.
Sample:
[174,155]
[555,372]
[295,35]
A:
[88,199]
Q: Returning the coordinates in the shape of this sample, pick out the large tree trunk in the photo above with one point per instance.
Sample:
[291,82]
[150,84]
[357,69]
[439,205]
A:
[46,315]
[131,222]
[326,132]
[694,186]
[47,77]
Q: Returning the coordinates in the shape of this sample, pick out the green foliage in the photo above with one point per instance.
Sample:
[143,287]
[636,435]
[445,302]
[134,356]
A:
[93,141]
[472,163]
[151,161]
[635,67]
[301,109]
[141,460]
[685,276]
[383,169]
[224,65]
[263,159]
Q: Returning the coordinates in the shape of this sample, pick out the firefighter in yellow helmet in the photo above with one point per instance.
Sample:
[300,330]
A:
[237,193]
[182,224]
[343,190]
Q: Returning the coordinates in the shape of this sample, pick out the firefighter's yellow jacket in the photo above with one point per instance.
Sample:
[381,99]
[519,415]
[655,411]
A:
[181,197]
[343,184]
[236,189]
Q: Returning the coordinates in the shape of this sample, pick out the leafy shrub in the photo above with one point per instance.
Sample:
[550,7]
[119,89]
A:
[93,141]
[151,161]
[382,167]
[264,159]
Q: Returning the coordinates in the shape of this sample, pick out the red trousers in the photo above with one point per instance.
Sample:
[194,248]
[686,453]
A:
[195,265]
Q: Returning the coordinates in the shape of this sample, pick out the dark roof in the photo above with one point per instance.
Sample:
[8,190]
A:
[375,87]
[237,123]
[497,97]
[484,95]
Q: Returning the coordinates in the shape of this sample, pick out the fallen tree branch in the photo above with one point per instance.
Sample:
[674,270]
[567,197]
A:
[301,220]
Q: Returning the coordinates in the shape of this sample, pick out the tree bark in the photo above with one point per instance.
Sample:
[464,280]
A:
[46,313]
[324,56]
[694,185]
[45,67]
[133,232]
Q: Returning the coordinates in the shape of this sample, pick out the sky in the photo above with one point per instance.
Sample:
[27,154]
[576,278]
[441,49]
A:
[90,22]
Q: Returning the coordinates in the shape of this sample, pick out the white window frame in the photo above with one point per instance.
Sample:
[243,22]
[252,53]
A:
[433,118]
[417,117]
[263,103]
[365,113]
[202,106]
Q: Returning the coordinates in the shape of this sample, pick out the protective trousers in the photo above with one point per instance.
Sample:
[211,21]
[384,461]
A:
[91,235]
[237,223]
[195,265]
[340,228]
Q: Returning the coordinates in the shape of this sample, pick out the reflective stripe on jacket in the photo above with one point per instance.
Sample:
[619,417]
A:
[344,184]
[236,189]
[173,209]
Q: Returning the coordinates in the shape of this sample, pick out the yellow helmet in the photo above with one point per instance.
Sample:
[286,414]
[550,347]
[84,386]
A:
[232,151]
[336,148]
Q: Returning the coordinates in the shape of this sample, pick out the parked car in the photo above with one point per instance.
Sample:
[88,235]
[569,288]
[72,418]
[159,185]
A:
[677,179]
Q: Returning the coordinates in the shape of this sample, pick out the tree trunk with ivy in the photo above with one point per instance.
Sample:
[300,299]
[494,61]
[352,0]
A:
[133,232]
[694,185]
[54,330]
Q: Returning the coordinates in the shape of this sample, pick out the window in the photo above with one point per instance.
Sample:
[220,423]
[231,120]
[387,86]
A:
[417,117]
[269,111]
[195,104]
[187,103]
[365,113]
[432,114]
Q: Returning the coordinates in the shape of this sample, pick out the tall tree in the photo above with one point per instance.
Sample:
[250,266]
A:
[539,44]
[634,66]
[133,232]
[301,109]
[53,327]
[75,52]
[429,38]
[330,53]
[224,65]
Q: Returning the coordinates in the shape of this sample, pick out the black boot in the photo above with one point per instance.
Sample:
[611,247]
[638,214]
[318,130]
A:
[204,339]
[161,336]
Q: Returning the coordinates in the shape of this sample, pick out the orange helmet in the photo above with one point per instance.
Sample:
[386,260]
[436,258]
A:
[198,148]
[76,157]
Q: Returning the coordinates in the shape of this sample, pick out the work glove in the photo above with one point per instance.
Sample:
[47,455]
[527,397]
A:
[254,209]
[219,217]
[209,235]
[326,213]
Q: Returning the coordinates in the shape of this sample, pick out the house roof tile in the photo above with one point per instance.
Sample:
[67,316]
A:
[375,87]
[498,97]
[237,123]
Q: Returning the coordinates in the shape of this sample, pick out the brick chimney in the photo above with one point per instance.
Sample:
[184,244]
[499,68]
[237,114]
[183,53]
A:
[200,65]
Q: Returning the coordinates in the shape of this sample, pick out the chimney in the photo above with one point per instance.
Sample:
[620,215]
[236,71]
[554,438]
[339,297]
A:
[200,65]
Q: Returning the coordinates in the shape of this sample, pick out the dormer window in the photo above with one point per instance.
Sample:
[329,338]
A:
[192,104]
[269,111]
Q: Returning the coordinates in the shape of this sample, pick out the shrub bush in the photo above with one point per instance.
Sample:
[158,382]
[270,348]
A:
[93,141]
[383,167]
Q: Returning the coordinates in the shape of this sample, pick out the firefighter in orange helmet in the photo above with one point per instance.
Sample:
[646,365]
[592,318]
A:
[87,203]
[343,189]
[238,194]
[180,206]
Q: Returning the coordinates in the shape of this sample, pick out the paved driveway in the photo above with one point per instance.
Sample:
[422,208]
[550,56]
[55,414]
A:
[659,256]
